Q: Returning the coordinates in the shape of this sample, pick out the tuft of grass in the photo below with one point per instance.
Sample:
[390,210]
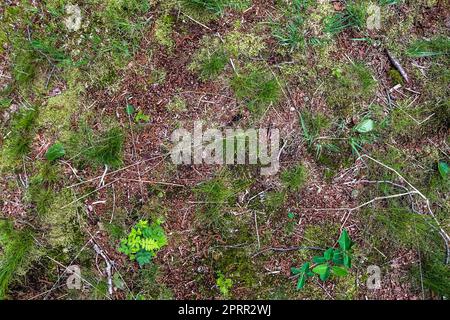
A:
[290,33]
[21,136]
[217,197]
[16,246]
[350,86]
[212,65]
[40,190]
[257,88]
[429,48]
[294,178]
[216,7]
[396,227]
[353,17]
[217,194]
[313,126]
[86,147]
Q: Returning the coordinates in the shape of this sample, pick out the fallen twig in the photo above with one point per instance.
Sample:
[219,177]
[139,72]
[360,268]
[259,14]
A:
[108,268]
[396,63]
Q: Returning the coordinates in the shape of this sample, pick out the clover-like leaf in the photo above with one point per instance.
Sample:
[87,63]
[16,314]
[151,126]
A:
[323,270]
[319,260]
[55,152]
[344,241]
[365,126]
[339,271]
[129,109]
[347,261]
[328,255]
[443,169]
[301,281]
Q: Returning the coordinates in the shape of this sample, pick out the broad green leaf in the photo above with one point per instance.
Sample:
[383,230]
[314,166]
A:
[323,270]
[344,241]
[320,268]
[347,261]
[338,258]
[291,215]
[129,109]
[328,255]
[301,282]
[339,271]
[55,152]
[443,169]
[305,267]
[365,126]
[319,260]
[141,117]
[296,271]
[324,277]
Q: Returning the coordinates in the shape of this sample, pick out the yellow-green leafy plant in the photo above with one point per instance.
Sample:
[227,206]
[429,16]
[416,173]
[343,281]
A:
[144,241]
[224,284]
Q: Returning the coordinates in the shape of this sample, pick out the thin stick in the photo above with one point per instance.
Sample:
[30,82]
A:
[257,232]
[396,63]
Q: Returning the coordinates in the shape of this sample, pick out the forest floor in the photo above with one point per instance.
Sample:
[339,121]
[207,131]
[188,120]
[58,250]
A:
[91,92]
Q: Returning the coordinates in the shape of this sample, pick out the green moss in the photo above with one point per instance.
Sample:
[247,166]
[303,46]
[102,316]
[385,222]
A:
[323,236]
[238,44]
[56,115]
[274,201]
[217,198]
[163,31]
[294,178]
[16,246]
[86,147]
[352,85]
[177,104]
[395,76]
[150,285]
[214,7]
[236,265]
[40,192]
[157,76]
[20,137]
[61,222]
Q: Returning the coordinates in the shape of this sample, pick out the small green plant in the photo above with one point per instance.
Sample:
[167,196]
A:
[15,246]
[353,17]
[291,35]
[224,284]
[144,241]
[257,88]
[98,149]
[294,178]
[335,261]
[55,152]
[216,7]
[141,117]
[313,126]
[21,136]
[443,169]
[429,48]
[213,65]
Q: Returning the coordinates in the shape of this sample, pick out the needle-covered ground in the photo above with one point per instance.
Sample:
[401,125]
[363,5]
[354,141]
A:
[91,91]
